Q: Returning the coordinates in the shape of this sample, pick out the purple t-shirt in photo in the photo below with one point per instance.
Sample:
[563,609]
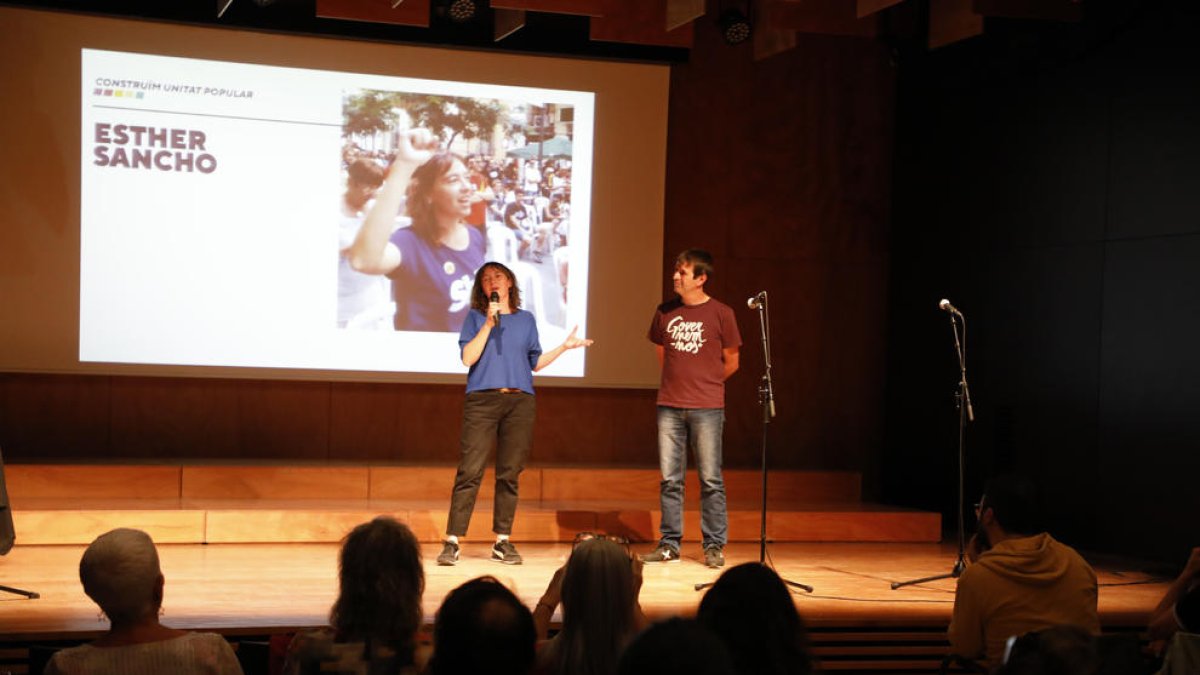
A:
[432,285]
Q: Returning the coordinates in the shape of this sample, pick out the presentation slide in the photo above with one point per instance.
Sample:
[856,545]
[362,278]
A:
[199,201]
[219,202]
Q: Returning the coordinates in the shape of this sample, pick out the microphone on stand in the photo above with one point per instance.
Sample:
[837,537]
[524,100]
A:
[757,300]
[945,306]
[495,300]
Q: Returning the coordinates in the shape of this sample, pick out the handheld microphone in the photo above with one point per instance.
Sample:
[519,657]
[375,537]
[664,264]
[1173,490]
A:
[757,300]
[495,300]
[945,306]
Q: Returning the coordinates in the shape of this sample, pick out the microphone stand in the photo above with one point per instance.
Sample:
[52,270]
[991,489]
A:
[962,403]
[6,546]
[766,399]
[32,595]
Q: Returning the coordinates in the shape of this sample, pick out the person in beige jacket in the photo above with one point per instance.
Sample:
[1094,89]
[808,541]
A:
[1021,579]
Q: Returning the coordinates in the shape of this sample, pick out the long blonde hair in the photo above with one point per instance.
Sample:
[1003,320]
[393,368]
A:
[599,602]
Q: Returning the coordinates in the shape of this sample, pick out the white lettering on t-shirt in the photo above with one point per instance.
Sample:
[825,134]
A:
[686,336]
[460,292]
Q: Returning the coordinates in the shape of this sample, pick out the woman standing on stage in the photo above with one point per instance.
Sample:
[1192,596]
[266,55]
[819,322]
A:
[500,345]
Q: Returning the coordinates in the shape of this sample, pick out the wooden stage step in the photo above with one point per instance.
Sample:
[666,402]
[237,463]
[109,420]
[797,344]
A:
[72,504]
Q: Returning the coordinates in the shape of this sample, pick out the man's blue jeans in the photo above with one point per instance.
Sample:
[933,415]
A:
[699,429]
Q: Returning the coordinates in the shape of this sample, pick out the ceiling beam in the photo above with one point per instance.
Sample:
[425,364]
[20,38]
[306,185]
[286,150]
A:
[951,21]
[827,17]
[642,22]
[576,7]
[1046,10]
[407,13]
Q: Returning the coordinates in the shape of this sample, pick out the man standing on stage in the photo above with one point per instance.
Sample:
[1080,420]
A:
[697,339]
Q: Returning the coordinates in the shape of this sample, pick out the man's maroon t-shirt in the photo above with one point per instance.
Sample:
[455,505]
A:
[692,338]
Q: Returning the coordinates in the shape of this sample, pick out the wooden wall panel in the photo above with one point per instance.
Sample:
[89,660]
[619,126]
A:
[166,418]
[394,422]
[598,426]
[271,482]
[283,420]
[72,526]
[781,169]
[47,481]
[48,417]
[174,418]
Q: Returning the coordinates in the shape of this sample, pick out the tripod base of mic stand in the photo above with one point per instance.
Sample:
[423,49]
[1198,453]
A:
[954,573]
[796,584]
[791,584]
[16,591]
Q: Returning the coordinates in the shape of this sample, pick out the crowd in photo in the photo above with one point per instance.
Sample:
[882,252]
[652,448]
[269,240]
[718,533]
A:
[511,210]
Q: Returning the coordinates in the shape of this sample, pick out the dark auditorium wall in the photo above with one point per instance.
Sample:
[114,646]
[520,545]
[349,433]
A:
[1048,182]
[779,167]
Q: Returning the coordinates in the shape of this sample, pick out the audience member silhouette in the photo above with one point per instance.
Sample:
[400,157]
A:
[676,647]
[750,608]
[1021,579]
[374,621]
[1059,650]
[482,627]
[1179,608]
[598,589]
[1176,620]
[121,574]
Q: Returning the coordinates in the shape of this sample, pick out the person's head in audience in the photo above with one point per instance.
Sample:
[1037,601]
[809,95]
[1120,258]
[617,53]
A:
[380,585]
[751,610]
[1187,609]
[676,647]
[120,573]
[482,627]
[599,608]
[1060,650]
[1179,608]
[1008,509]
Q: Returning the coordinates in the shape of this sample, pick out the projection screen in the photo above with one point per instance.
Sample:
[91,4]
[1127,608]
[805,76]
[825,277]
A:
[178,201]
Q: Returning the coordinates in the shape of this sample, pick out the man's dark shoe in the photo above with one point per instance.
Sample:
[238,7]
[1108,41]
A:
[664,553]
[505,552]
[449,554]
[714,556]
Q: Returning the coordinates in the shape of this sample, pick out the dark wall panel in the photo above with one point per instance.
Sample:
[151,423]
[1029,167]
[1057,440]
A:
[1038,375]
[1046,182]
[1154,140]
[1149,428]
[44,417]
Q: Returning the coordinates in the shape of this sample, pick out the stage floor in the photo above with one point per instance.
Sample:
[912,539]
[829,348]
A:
[256,589]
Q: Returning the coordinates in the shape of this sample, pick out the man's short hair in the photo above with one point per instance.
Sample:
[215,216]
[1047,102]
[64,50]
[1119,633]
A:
[120,572]
[366,172]
[676,647]
[482,627]
[1063,649]
[1014,504]
[700,260]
